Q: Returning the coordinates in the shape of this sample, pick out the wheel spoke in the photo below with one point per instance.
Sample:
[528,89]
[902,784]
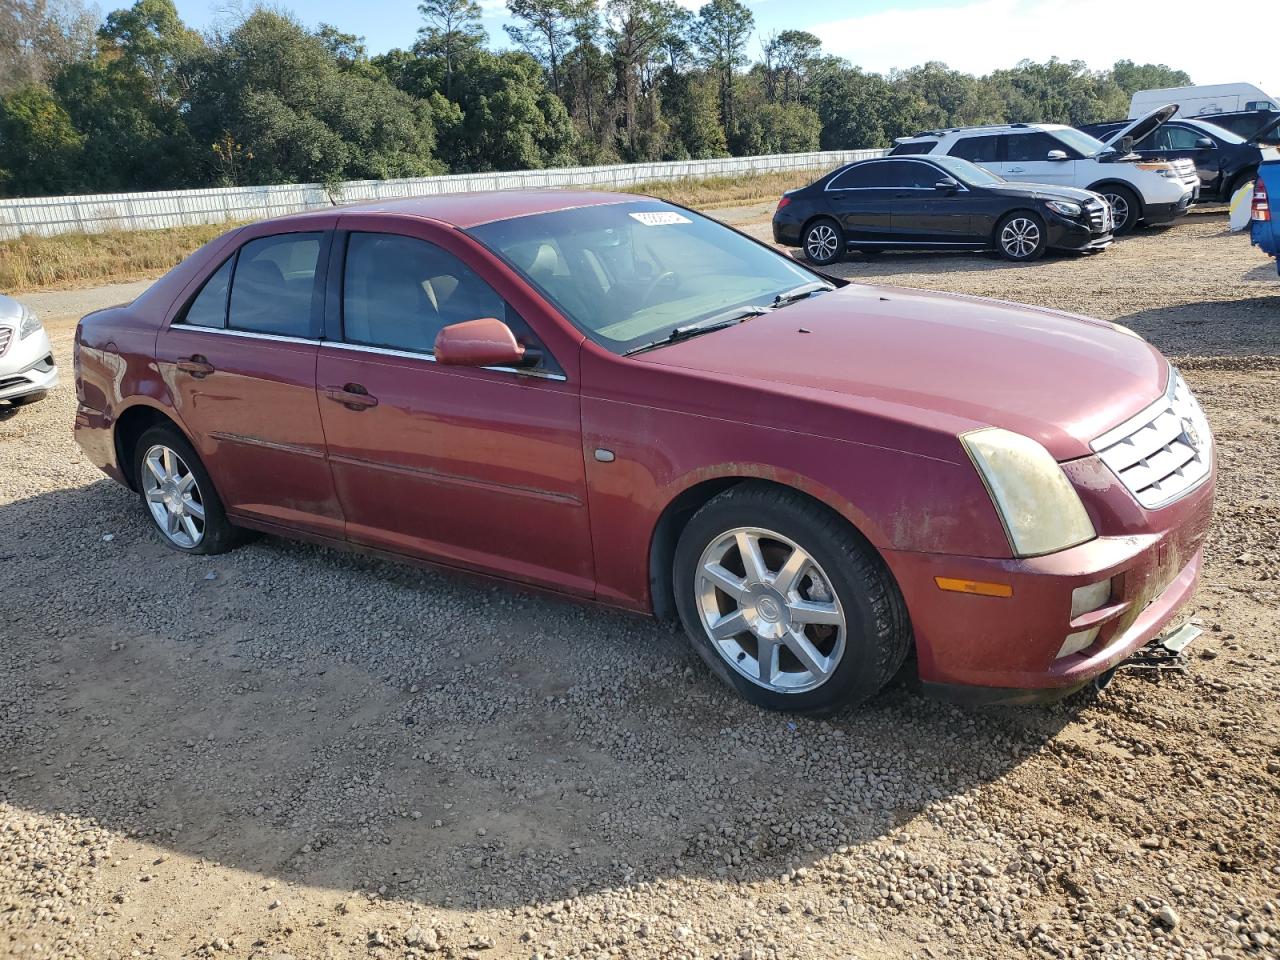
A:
[726,581]
[193,509]
[812,611]
[155,496]
[767,659]
[730,625]
[805,651]
[189,525]
[157,470]
[171,523]
[752,560]
[786,579]
[166,457]
[186,483]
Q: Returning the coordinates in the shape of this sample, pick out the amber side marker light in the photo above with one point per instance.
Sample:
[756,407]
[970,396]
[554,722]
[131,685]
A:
[978,587]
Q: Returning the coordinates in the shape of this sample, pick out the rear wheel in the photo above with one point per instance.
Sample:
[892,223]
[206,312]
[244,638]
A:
[1021,237]
[823,242]
[786,604]
[1124,207]
[178,494]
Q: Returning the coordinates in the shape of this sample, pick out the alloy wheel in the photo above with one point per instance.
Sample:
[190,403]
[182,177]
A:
[173,496]
[769,610]
[1119,210]
[1020,238]
[822,243]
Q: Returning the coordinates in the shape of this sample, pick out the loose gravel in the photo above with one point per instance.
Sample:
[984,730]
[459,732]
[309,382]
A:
[291,752]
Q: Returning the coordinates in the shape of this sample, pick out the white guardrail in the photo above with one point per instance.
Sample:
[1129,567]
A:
[171,208]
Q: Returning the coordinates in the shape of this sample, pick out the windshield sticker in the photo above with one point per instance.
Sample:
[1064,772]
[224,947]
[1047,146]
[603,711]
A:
[658,219]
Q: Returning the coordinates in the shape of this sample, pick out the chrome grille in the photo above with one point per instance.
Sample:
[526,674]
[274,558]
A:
[1165,451]
[6,334]
[1099,214]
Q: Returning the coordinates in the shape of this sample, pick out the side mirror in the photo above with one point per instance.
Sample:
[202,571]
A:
[1057,155]
[1204,143]
[947,185]
[487,342]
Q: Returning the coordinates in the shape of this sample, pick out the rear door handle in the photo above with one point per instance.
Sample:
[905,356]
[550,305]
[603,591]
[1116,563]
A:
[196,365]
[353,396]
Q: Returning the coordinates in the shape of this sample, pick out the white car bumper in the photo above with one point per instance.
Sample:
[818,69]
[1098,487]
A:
[26,365]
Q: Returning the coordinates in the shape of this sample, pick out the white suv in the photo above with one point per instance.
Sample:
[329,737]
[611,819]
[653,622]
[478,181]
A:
[1149,191]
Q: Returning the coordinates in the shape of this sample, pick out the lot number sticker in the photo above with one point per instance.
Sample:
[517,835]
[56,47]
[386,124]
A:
[659,219]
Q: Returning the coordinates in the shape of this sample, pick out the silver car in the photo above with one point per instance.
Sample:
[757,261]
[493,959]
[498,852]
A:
[27,370]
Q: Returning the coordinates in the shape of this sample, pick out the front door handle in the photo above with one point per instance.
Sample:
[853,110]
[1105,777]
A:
[353,396]
[1016,170]
[196,365]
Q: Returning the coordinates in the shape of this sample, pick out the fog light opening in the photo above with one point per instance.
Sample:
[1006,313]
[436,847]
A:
[1086,599]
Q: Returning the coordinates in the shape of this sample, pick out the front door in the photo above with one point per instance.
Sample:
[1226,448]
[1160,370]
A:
[1026,159]
[240,359]
[1173,141]
[475,467]
[923,214]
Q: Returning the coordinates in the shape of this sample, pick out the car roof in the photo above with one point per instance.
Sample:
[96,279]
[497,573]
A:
[465,210]
[990,128]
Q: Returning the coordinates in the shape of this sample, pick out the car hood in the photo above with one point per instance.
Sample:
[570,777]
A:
[1060,379]
[1043,191]
[10,310]
[1144,126]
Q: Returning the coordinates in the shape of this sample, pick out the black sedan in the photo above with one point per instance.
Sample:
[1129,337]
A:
[936,203]
[1224,160]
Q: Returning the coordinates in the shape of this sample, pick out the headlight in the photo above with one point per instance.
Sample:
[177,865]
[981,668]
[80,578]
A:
[1161,168]
[30,324]
[1039,508]
[1065,207]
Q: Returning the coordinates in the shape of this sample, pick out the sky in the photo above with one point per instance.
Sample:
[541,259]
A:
[976,36]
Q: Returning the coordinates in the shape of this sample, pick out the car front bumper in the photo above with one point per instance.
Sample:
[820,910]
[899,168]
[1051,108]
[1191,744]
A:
[1064,234]
[1005,649]
[27,366]
[1158,213]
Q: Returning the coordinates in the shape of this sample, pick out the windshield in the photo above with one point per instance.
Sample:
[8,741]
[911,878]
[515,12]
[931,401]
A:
[1081,142]
[967,172]
[626,274]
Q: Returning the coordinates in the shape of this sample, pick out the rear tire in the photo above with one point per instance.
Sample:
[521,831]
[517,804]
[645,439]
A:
[823,242]
[1124,207]
[821,623]
[178,494]
[1021,237]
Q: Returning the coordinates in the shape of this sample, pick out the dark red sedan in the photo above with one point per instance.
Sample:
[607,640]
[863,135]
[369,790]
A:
[620,400]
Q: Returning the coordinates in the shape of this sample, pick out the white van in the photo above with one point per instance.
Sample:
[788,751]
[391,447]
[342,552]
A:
[1203,101]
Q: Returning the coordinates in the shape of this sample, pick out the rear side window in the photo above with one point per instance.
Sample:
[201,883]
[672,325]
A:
[977,149]
[913,147]
[274,285]
[399,292]
[1030,147]
[856,177]
[209,308]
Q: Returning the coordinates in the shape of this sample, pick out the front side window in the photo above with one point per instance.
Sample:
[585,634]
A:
[399,292]
[977,149]
[629,273]
[1172,138]
[273,287]
[1029,147]
[209,308]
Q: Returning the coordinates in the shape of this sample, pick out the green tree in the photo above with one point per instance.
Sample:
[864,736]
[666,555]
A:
[692,104]
[39,148]
[636,30]
[451,30]
[1132,77]
[154,44]
[852,106]
[778,128]
[788,58]
[40,37]
[720,33]
[546,29]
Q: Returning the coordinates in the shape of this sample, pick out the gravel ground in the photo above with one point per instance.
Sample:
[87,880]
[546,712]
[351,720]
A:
[294,752]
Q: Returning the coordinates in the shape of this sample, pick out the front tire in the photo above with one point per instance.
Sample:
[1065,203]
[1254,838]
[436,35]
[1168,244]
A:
[786,603]
[1124,208]
[823,242]
[1021,237]
[178,494]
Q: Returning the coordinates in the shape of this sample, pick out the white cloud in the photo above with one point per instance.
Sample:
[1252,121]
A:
[985,35]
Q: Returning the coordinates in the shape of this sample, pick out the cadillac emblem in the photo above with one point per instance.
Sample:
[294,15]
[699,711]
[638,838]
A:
[1190,433]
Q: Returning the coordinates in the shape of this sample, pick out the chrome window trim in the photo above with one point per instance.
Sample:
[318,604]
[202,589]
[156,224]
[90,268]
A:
[411,355]
[248,334]
[903,158]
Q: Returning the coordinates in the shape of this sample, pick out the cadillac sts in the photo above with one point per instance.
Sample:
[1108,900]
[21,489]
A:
[619,400]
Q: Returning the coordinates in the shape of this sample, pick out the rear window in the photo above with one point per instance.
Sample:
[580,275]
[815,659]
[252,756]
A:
[274,285]
[977,149]
[209,308]
[913,146]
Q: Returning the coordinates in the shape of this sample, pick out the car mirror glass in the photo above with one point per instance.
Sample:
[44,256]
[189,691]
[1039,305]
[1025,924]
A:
[947,185]
[1204,143]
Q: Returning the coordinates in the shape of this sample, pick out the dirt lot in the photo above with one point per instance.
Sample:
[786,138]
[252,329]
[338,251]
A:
[293,752]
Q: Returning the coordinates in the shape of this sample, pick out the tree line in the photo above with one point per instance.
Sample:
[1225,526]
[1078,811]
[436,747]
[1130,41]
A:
[139,101]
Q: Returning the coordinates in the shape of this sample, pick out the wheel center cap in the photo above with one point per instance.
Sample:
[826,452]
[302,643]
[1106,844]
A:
[769,609]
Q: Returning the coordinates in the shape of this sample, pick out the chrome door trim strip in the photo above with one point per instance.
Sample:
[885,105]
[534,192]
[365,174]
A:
[269,444]
[411,355]
[426,473]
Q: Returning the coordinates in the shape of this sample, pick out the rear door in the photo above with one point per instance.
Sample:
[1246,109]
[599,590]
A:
[239,357]
[476,467]
[860,200]
[1026,159]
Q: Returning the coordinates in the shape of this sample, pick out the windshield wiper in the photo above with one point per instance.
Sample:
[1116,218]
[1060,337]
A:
[718,322]
[800,292]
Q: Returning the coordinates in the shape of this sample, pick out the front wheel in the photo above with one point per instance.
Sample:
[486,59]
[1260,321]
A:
[1021,237]
[823,242]
[1124,208]
[786,604]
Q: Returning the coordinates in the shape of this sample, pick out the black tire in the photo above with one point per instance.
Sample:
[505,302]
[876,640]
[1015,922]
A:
[1021,236]
[877,630]
[823,242]
[27,399]
[1123,201]
[218,535]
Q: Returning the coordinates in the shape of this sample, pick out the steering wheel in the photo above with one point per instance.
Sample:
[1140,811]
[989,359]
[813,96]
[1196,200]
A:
[667,276]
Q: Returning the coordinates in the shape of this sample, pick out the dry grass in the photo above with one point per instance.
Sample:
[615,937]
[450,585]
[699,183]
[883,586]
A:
[83,259]
[80,259]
